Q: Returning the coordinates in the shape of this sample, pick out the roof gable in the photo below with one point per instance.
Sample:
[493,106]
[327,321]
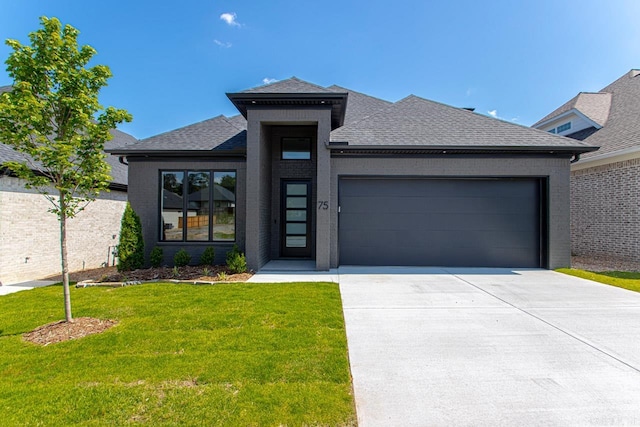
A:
[594,106]
[621,128]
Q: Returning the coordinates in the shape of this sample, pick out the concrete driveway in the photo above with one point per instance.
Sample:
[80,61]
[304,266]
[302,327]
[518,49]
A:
[432,347]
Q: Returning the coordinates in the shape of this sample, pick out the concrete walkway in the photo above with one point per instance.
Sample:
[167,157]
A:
[24,286]
[492,347]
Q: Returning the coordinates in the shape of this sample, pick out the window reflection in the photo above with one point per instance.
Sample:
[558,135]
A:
[224,199]
[198,206]
[172,205]
[210,206]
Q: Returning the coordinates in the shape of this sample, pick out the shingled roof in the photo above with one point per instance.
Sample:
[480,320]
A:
[359,105]
[594,105]
[290,85]
[120,139]
[368,121]
[119,171]
[218,133]
[418,122]
[620,130]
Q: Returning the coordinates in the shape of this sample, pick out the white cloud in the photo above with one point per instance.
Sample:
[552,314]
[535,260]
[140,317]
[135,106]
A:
[267,80]
[494,114]
[469,92]
[222,44]
[230,19]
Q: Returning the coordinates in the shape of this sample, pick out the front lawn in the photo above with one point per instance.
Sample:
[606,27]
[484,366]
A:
[234,354]
[621,279]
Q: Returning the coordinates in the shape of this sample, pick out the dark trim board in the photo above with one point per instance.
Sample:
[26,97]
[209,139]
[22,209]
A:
[443,221]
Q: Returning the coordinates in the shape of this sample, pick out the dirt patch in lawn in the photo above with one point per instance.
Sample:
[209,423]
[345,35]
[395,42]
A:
[63,331]
[214,273]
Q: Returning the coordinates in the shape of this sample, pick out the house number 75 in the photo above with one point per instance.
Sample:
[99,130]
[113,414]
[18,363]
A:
[323,205]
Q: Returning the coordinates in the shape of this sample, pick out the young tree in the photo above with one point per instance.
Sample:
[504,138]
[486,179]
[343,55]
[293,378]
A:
[131,245]
[52,116]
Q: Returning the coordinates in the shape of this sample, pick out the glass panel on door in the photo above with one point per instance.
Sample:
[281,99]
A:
[295,218]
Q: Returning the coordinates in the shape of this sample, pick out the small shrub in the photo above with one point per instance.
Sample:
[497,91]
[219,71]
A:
[208,256]
[236,260]
[222,276]
[131,245]
[206,272]
[181,258]
[157,257]
[175,272]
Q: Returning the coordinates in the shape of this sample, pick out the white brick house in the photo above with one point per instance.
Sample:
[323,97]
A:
[605,185]
[30,235]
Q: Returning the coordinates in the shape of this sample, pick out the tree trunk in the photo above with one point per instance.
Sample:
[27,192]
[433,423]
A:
[63,257]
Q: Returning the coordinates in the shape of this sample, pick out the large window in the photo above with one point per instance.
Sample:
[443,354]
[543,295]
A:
[206,213]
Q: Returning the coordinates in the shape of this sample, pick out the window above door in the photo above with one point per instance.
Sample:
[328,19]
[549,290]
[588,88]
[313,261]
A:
[296,148]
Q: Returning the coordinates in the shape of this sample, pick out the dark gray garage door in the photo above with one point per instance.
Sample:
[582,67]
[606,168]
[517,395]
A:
[440,222]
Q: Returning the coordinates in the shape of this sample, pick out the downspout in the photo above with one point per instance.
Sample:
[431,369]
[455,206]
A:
[122,160]
[576,157]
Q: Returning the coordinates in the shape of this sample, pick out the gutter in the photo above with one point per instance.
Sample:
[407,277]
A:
[167,153]
[452,149]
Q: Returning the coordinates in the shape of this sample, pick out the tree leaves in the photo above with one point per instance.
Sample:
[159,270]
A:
[53,115]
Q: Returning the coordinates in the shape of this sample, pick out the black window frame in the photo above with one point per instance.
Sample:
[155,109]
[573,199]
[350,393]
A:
[307,141]
[185,205]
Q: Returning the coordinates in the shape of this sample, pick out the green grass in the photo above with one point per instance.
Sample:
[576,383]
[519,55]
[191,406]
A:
[237,354]
[621,279]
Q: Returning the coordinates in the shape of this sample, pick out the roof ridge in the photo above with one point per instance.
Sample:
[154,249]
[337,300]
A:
[374,113]
[227,119]
[306,82]
[262,87]
[359,93]
[387,108]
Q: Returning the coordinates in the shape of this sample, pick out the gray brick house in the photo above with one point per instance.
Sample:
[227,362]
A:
[343,178]
[605,185]
[30,235]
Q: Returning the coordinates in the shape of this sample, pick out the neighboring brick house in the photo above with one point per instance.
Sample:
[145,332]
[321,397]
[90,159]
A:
[605,185]
[342,178]
[30,235]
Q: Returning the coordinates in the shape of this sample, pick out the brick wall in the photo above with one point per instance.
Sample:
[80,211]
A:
[260,180]
[605,211]
[144,195]
[30,235]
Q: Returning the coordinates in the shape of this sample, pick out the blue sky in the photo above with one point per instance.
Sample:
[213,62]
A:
[173,61]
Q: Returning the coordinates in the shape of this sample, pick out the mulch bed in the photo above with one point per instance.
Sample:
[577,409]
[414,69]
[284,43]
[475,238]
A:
[63,331]
[214,273]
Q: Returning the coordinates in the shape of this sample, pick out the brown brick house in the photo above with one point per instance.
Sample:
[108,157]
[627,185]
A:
[605,185]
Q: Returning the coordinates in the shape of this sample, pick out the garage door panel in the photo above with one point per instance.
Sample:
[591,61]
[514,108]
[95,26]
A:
[439,222]
[419,223]
[446,205]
